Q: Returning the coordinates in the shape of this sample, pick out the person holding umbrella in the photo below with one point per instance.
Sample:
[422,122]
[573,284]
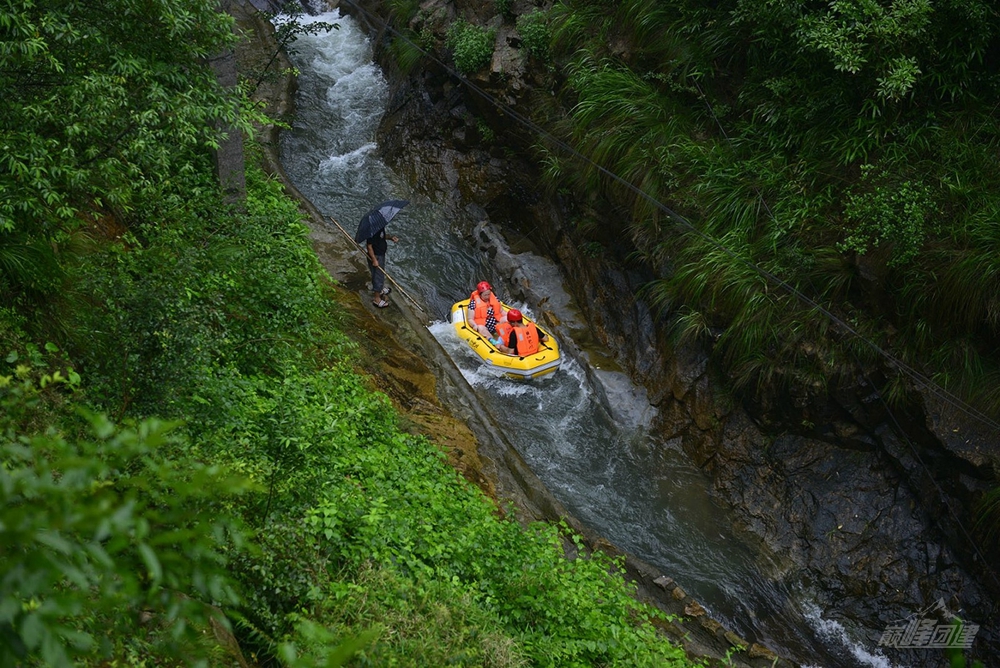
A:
[371,230]
[376,248]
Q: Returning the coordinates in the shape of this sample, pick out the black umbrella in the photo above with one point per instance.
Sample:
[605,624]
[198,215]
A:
[373,221]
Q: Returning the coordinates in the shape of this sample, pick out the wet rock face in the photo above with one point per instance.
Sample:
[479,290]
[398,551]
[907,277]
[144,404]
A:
[845,516]
[821,480]
[442,159]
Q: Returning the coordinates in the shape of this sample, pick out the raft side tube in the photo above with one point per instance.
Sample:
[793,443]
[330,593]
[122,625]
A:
[544,362]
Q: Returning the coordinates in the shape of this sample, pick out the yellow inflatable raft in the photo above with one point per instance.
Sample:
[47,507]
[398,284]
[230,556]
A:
[545,361]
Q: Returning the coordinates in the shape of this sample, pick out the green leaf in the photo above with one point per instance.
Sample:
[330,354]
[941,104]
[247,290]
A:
[55,541]
[9,608]
[153,567]
[32,630]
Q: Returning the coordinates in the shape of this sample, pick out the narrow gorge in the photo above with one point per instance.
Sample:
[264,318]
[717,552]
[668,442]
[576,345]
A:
[868,508]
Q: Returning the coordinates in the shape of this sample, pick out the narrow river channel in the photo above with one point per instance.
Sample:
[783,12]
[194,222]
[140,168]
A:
[591,448]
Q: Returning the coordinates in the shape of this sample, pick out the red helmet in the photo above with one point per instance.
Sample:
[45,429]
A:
[483,287]
[513,315]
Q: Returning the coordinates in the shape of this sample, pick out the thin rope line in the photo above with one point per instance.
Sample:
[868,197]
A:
[899,427]
[941,493]
[894,362]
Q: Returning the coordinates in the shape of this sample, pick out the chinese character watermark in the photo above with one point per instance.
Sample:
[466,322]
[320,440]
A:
[934,627]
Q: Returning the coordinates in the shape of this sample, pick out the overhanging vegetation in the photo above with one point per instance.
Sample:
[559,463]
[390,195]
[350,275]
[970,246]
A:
[847,148]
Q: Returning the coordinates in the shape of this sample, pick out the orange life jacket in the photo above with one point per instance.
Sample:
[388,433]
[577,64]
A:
[482,305]
[503,332]
[527,339]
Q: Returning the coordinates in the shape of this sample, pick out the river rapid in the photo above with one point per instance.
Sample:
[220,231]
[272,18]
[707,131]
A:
[584,431]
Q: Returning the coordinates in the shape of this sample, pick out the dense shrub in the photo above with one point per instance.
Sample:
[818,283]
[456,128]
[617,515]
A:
[890,213]
[535,33]
[505,8]
[91,119]
[101,524]
[210,298]
[472,46]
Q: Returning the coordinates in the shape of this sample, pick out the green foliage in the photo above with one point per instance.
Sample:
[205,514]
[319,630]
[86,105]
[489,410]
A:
[326,649]
[102,107]
[396,502]
[885,211]
[404,11]
[29,264]
[755,121]
[408,46]
[412,625]
[98,527]
[956,657]
[987,513]
[288,29]
[471,46]
[535,33]
[592,249]
[407,52]
[198,302]
[862,35]
[485,131]
[505,8]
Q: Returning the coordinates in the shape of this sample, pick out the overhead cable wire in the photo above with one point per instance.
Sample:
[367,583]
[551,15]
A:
[941,494]
[892,416]
[893,361]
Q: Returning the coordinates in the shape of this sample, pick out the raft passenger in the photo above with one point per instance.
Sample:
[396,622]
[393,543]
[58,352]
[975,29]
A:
[518,337]
[485,311]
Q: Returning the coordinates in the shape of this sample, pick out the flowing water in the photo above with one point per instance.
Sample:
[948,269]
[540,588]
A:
[589,445]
